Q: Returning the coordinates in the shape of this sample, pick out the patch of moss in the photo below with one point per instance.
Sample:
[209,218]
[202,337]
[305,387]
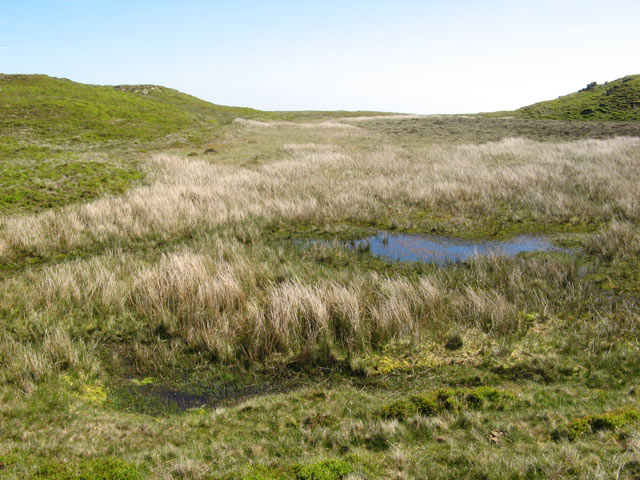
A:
[448,398]
[387,364]
[94,393]
[144,381]
[332,469]
[264,473]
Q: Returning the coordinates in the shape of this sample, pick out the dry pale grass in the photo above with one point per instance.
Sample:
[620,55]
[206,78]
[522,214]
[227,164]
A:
[228,299]
[234,301]
[383,117]
[591,180]
[278,124]
[620,241]
[25,364]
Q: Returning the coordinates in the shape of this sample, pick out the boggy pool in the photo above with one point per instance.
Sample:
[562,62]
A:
[404,247]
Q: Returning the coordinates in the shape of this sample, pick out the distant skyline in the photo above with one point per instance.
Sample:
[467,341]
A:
[455,56]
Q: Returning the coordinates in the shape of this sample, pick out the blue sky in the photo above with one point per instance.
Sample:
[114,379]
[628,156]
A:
[424,56]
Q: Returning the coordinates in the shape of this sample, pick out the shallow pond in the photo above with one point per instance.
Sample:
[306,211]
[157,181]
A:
[404,247]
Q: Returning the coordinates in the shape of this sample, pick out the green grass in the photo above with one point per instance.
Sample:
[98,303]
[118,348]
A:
[618,100]
[33,186]
[64,112]
[323,470]
[331,426]
[60,111]
[99,469]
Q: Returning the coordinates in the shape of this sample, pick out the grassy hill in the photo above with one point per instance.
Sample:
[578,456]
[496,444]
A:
[63,141]
[61,111]
[618,100]
[58,110]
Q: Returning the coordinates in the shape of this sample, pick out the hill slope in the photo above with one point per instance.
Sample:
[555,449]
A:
[617,100]
[63,141]
[53,133]
[60,111]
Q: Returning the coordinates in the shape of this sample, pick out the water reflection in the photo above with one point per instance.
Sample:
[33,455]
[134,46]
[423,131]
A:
[402,247]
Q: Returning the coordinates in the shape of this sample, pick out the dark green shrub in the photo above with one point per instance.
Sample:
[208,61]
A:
[447,399]
[399,410]
[425,404]
[474,400]
[480,396]
[454,399]
[597,422]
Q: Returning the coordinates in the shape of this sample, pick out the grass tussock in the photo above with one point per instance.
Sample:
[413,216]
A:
[26,364]
[217,298]
[621,241]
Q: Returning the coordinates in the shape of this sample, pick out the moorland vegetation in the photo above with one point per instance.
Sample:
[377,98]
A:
[163,317]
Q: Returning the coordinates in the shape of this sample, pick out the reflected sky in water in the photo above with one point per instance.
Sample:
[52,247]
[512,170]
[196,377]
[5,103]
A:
[402,247]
